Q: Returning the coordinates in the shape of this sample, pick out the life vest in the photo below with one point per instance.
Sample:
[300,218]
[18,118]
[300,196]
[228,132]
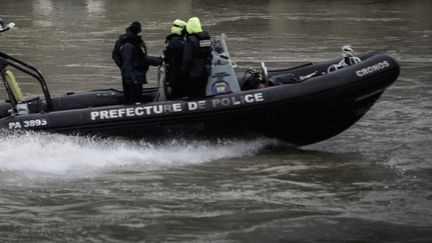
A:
[204,45]
[141,51]
[174,47]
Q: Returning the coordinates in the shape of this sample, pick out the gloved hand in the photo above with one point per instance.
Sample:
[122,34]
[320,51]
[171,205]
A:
[164,58]
[161,59]
[137,82]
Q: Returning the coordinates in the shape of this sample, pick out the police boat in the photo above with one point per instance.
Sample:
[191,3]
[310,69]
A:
[300,105]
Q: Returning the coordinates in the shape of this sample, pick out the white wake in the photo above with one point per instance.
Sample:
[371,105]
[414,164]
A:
[57,154]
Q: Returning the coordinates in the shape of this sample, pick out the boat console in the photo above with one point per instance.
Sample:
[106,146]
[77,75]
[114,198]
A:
[222,79]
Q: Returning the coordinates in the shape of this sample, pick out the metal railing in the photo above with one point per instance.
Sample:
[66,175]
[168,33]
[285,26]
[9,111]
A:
[6,60]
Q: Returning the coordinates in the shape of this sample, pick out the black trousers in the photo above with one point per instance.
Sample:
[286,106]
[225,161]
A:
[132,92]
[195,87]
[177,88]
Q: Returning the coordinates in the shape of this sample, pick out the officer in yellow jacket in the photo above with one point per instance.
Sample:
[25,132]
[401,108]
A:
[173,55]
[196,65]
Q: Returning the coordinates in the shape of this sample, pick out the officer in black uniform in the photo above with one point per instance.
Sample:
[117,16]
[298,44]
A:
[135,63]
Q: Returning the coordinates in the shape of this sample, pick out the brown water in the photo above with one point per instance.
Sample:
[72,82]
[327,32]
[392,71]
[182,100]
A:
[371,183]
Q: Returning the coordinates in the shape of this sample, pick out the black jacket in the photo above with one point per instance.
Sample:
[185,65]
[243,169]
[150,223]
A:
[197,56]
[173,56]
[135,59]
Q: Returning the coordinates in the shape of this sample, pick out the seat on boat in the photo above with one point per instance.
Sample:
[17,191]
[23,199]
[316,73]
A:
[16,92]
[15,95]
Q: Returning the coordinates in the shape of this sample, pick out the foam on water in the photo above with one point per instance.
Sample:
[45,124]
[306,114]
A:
[60,154]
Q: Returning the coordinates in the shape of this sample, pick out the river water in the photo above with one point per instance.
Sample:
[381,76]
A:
[371,183]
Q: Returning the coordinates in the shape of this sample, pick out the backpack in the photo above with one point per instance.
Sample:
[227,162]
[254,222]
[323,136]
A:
[116,52]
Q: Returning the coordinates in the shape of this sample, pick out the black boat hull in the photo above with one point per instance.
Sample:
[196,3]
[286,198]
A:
[300,113]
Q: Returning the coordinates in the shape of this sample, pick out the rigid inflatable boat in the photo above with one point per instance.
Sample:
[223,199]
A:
[300,105]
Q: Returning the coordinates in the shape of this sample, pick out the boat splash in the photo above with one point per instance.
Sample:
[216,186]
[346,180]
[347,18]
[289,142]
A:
[61,154]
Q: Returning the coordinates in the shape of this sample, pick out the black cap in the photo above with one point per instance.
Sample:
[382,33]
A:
[135,27]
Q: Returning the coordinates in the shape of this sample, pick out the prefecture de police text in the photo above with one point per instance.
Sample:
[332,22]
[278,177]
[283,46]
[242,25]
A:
[175,107]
